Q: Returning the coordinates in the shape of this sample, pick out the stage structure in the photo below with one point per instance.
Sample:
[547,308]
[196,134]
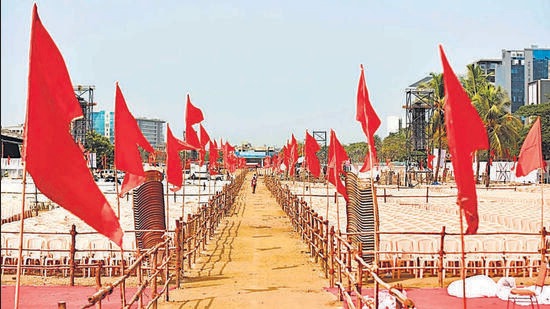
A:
[321,138]
[80,127]
[419,138]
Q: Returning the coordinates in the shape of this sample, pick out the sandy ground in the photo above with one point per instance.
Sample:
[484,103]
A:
[255,260]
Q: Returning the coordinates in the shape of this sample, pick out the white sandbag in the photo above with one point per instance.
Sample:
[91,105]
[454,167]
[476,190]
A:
[476,286]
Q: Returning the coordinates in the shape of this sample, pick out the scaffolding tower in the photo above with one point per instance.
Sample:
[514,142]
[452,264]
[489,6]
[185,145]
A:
[419,139]
[321,138]
[81,126]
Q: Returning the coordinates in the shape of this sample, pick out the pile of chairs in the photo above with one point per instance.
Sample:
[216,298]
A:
[360,214]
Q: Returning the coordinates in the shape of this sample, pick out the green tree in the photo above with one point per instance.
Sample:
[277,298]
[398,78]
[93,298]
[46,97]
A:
[502,127]
[475,80]
[437,126]
[102,147]
[542,110]
[394,147]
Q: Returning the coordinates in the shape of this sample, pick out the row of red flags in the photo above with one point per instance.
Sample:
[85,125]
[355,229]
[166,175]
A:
[52,106]
[466,134]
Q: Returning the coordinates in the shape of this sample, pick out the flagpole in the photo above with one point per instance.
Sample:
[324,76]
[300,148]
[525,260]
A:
[21,229]
[183,187]
[123,285]
[542,213]
[116,191]
[462,258]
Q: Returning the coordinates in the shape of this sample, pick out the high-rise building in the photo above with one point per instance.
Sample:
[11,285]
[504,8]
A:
[153,130]
[537,66]
[513,77]
[103,124]
[538,91]
[489,68]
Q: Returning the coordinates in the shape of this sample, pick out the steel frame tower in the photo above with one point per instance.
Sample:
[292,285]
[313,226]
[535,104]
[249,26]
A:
[321,138]
[81,126]
[419,140]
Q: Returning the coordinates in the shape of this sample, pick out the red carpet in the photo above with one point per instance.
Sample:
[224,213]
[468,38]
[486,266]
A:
[437,298]
[49,296]
[76,297]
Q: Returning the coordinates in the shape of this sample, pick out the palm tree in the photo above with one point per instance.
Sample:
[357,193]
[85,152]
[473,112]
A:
[493,106]
[437,126]
[475,80]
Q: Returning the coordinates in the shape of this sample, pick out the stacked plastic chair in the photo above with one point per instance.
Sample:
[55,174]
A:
[360,214]
[149,210]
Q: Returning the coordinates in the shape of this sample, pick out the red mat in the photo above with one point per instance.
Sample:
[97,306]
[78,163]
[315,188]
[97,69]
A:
[438,298]
[73,296]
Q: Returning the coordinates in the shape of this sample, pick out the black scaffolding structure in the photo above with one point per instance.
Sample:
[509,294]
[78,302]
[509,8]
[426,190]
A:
[81,126]
[419,138]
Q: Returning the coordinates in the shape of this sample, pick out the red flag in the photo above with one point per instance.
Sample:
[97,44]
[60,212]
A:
[430,160]
[174,168]
[128,137]
[205,138]
[311,148]
[191,137]
[293,158]
[336,156]
[530,155]
[369,120]
[212,166]
[466,134]
[193,114]
[51,106]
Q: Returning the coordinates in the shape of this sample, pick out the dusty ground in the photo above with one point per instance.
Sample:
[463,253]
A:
[255,260]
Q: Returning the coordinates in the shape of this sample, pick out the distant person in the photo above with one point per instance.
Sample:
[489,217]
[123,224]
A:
[378,178]
[203,186]
[253,184]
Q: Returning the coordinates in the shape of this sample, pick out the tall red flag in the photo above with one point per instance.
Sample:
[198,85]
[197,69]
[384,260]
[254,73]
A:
[205,138]
[530,155]
[466,134]
[293,158]
[336,156]
[312,161]
[51,106]
[191,137]
[213,160]
[193,115]
[369,120]
[128,137]
[174,168]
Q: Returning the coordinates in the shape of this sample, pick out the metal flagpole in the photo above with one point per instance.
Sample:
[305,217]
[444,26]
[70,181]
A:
[21,229]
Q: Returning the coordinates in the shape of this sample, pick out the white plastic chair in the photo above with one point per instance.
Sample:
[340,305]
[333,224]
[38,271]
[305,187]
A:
[34,254]
[100,249]
[55,254]
[514,259]
[427,258]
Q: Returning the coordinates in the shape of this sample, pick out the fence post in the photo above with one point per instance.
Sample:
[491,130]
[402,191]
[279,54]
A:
[331,253]
[72,250]
[441,254]
[359,276]
[177,241]
[427,193]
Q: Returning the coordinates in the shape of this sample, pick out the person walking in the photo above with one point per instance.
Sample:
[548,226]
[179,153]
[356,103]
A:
[253,183]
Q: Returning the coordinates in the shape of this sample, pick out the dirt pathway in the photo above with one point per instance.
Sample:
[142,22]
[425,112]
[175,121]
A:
[255,260]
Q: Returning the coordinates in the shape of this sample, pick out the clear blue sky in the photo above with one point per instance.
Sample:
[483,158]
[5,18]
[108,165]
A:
[261,70]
